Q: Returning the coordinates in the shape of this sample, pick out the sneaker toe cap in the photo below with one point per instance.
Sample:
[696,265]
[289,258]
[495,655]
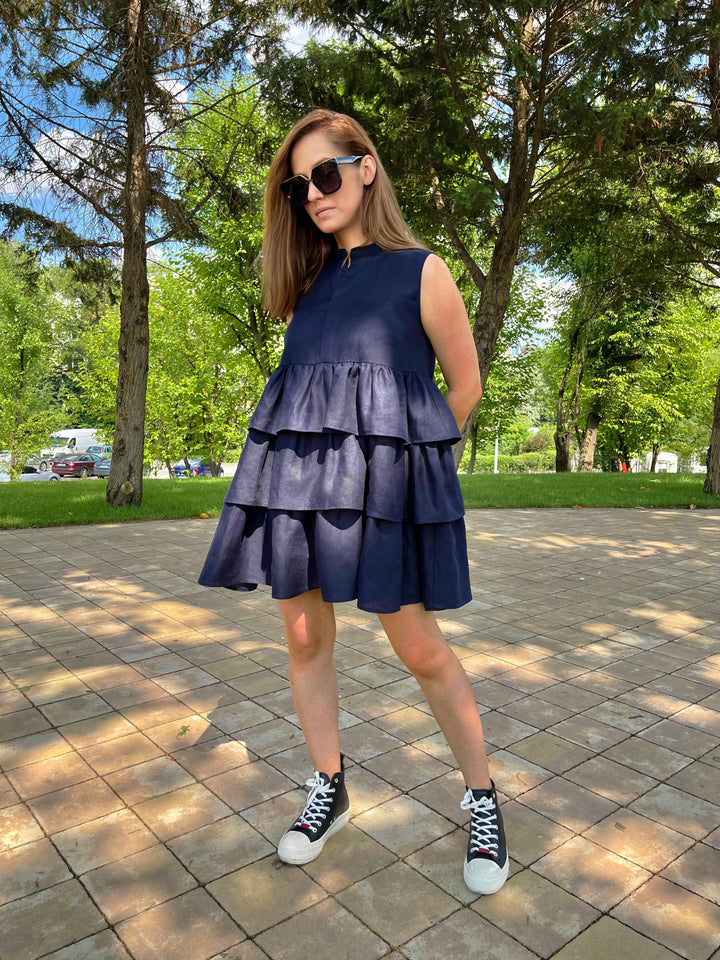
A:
[485,876]
[294,844]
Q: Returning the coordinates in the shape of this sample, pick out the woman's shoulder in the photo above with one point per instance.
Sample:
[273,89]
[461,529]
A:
[406,261]
[415,254]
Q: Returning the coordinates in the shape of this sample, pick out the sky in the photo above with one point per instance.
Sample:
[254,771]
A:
[63,147]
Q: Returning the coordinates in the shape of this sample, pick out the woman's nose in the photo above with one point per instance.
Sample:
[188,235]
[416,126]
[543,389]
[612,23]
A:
[314,193]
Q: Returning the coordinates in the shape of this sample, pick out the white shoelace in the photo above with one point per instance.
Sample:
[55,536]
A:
[483,824]
[318,802]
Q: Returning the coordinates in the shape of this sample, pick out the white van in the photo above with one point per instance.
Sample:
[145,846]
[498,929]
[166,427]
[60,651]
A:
[71,440]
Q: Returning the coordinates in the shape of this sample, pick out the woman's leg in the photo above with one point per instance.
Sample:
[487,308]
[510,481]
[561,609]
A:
[310,631]
[418,641]
[416,638]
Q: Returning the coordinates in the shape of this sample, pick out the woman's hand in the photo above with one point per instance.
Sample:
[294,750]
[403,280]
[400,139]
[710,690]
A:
[445,321]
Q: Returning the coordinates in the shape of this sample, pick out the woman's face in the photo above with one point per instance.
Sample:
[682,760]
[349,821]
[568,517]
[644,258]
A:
[338,213]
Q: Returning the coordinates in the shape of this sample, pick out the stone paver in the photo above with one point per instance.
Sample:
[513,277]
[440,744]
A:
[324,926]
[675,917]
[102,946]
[402,825]
[397,903]
[70,806]
[536,912]
[697,870]
[588,871]
[459,937]
[45,921]
[217,848]
[29,868]
[265,893]
[644,841]
[191,926]
[608,938]
[150,754]
[132,885]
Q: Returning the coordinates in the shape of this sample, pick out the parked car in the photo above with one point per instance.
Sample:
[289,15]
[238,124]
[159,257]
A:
[67,443]
[102,468]
[82,466]
[29,473]
[198,468]
[101,449]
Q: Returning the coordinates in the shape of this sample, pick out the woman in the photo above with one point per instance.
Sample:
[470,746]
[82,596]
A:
[346,487]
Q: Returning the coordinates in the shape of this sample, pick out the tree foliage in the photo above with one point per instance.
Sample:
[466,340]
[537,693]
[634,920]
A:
[202,386]
[225,155]
[29,312]
[482,111]
[89,93]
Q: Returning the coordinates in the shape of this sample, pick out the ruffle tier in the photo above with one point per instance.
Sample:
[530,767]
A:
[346,554]
[346,483]
[381,476]
[357,397]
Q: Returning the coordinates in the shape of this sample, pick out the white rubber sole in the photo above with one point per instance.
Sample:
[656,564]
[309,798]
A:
[485,885]
[298,858]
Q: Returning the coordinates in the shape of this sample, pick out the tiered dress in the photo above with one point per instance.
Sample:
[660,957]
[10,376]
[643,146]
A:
[347,481]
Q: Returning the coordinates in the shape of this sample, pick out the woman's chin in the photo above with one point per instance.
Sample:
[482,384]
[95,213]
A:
[324,224]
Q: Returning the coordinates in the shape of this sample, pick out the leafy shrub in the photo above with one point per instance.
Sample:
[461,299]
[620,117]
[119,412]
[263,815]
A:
[535,462]
[539,442]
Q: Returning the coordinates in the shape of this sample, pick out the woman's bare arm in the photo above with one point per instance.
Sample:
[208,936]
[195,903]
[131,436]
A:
[445,321]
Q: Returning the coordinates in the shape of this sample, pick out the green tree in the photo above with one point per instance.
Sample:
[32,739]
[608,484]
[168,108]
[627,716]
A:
[604,236]
[643,403]
[28,312]
[510,384]
[627,377]
[89,93]
[202,387]
[672,151]
[225,155]
[482,111]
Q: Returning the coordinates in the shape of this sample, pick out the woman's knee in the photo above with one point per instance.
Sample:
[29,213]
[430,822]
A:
[309,626]
[417,640]
[424,660]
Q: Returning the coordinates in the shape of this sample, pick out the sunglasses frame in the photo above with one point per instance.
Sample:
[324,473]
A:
[287,185]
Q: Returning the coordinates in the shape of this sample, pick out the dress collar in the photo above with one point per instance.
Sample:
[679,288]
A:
[357,253]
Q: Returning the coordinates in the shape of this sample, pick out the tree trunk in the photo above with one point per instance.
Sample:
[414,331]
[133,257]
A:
[562,451]
[125,483]
[655,455]
[494,299]
[495,287]
[473,448]
[624,457]
[562,429]
[589,442]
[712,480]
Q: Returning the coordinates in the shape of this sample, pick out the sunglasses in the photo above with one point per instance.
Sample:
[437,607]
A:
[325,176]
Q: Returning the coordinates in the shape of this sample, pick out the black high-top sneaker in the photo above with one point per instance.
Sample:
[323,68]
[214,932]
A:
[486,863]
[327,810]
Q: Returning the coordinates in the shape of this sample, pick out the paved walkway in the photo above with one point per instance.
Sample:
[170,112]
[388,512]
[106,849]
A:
[152,759]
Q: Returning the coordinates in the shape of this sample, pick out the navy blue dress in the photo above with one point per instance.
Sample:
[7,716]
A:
[346,481]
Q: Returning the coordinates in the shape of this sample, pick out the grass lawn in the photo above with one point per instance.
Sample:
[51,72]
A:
[46,504]
[83,501]
[586,490]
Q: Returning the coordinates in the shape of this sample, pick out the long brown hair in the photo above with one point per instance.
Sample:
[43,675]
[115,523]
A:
[294,250]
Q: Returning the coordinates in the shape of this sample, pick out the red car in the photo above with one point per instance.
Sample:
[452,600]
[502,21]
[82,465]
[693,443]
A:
[80,466]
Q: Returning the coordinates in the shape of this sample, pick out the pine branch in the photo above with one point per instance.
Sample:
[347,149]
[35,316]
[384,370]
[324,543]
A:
[478,145]
[470,264]
[54,170]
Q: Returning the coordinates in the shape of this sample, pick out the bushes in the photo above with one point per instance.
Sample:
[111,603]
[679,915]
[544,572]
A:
[536,462]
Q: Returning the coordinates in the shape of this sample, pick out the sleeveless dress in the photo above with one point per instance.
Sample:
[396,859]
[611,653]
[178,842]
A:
[346,481]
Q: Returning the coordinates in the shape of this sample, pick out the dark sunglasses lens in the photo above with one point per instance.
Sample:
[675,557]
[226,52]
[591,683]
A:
[296,190]
[326,176]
